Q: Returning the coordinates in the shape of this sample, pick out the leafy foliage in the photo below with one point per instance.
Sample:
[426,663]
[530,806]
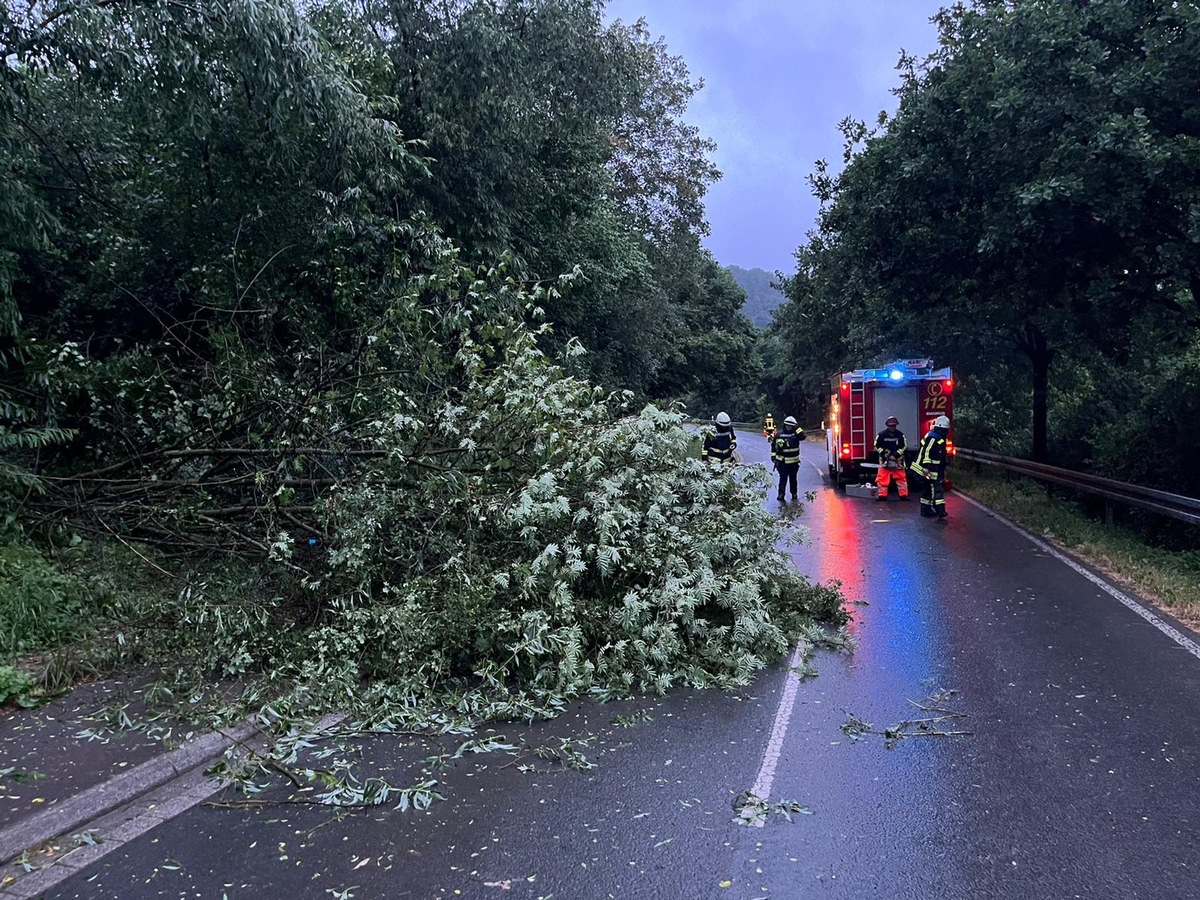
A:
[39,606]
[519,531]
[277,287]
[562,141]
[15,687]
[166,194]
[1016,226]
[714,359]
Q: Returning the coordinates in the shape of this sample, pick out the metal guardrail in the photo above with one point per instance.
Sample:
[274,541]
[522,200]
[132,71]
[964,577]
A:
[1177,506]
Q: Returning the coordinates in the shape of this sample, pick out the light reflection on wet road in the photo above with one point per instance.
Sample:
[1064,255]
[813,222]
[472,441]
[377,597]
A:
[1079,778]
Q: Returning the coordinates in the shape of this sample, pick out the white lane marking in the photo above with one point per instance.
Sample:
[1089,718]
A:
[783,715]
[1166,628]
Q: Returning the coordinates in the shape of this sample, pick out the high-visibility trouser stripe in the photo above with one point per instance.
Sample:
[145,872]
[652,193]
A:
[933,495]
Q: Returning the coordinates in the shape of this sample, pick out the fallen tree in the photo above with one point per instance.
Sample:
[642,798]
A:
[236,344]
[435,507]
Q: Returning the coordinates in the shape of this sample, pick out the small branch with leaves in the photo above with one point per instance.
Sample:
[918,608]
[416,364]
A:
[937,725]
[751,809]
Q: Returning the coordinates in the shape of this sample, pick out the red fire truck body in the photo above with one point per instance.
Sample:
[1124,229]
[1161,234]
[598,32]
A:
[860,402]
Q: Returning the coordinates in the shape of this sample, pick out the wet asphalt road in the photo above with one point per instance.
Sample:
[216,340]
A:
[1079,778]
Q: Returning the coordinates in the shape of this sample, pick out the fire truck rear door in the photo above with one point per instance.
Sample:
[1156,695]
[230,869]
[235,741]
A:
[901,402]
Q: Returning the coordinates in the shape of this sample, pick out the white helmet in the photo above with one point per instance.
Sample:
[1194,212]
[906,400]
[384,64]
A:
[791,420]
[723,419]
[941,422]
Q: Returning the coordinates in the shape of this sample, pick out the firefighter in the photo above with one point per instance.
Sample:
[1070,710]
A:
[930,465]
[785,454]
[890,446]
[719,447]
[769,429]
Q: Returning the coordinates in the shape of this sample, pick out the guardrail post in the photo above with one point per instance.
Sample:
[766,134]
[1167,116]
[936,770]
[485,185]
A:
[1108,512]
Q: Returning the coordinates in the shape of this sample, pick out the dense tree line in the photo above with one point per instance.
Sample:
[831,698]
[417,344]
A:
[364,300]
[1030,215]
[170,165]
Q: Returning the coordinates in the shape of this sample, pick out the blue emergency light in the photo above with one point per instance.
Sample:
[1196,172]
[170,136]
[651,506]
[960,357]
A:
[896,375]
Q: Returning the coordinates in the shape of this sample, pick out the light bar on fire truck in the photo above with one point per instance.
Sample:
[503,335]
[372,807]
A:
[897,372]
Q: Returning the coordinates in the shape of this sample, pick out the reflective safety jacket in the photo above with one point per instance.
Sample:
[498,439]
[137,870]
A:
[890,446]
[719,447]
[785,448]
[931,458]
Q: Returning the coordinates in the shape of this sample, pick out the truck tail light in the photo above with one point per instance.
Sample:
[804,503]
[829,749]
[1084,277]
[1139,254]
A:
[950,451]
[845,451]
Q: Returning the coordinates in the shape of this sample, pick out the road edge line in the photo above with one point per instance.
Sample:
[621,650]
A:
[1136,606]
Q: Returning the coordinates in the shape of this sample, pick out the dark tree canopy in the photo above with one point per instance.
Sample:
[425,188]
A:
[354,306]
[1035,197]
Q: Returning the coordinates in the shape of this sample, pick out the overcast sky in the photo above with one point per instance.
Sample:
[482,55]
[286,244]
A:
[778,77]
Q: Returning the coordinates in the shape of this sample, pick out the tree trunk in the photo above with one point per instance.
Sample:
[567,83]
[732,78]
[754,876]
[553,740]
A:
[1040,357]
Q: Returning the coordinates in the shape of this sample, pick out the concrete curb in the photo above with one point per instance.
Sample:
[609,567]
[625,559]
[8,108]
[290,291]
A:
[103,798]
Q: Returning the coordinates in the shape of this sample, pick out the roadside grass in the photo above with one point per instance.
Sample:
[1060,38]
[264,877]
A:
[68,615]
[1168,578]
[40,606]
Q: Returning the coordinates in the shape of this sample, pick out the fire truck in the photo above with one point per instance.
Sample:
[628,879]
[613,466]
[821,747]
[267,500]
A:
[860,402]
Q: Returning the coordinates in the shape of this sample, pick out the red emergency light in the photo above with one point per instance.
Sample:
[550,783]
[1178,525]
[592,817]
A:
[845,387]
[949,384]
